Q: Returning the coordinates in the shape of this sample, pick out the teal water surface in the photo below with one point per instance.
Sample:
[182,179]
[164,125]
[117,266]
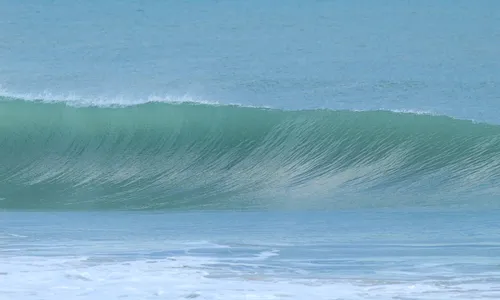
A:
[249,149]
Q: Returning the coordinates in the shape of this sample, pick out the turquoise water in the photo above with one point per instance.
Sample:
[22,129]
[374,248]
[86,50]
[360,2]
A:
[249,150]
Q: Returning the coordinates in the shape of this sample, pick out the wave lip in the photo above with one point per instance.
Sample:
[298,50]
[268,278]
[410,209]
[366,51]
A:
[200,156]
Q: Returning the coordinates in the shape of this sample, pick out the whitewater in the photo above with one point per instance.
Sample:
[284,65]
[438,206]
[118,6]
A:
[326,150]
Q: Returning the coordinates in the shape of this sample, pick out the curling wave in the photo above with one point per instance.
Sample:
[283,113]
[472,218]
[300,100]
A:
[201,156]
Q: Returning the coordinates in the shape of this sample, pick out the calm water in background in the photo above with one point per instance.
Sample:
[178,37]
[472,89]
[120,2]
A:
[421,56]
[412,55]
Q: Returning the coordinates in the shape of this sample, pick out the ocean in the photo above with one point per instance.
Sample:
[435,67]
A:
[249,149]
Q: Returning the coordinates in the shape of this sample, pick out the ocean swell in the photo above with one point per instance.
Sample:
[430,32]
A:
[202,156]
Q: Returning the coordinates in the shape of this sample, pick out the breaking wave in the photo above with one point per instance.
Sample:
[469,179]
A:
[203,156]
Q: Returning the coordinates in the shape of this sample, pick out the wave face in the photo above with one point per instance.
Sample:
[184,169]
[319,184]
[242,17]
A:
[200,156]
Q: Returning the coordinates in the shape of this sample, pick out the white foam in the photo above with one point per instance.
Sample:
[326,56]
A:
[73,99]
[16,235]
[187,278]
[415,112]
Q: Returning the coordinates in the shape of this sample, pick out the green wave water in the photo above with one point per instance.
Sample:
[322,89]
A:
[198,156]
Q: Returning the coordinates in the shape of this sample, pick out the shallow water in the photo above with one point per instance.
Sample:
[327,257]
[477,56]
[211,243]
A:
[251,255]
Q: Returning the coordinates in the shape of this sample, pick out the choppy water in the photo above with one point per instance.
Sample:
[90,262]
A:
[252,255]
